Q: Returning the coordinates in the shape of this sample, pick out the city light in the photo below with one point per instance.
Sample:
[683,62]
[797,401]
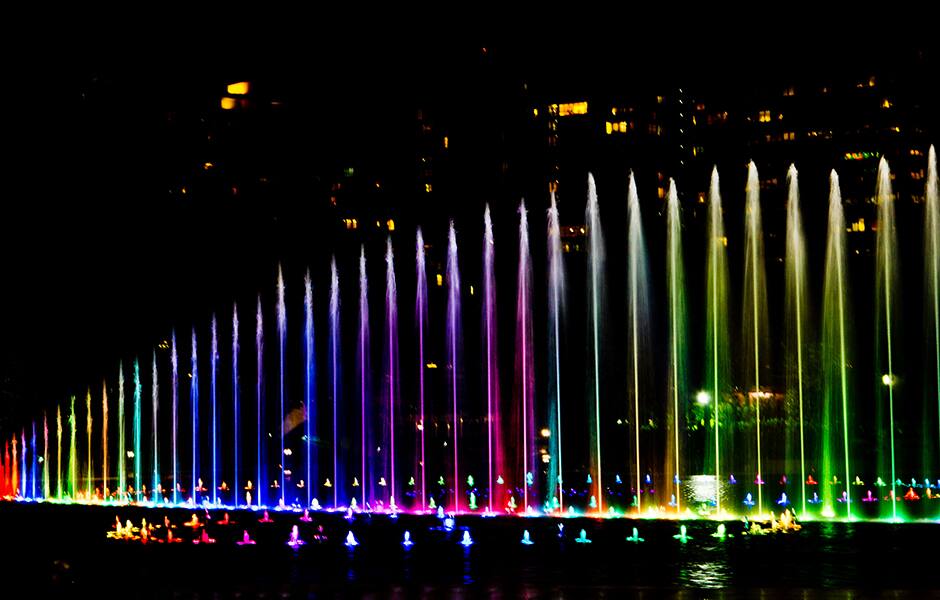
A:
[703,398]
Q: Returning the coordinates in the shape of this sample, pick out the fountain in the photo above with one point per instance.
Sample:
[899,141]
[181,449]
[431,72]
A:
[556,283]
[699,449]
[494,435]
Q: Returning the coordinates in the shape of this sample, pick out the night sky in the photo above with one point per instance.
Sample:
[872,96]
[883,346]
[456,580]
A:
[98,260]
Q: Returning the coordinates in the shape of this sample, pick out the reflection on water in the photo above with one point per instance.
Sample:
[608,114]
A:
[704,575]
[846,559]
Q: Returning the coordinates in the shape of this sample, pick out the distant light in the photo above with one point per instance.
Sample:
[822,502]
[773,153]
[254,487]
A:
[228,103]
[431,365]
[427,188]
[535,112]
[440,280]
[287,452]
[471,290]
[887,379]
[239,88]
[130,454]
[567,109]
[703,398]
[446,142]
[546,432]
[390,224]
[207,165]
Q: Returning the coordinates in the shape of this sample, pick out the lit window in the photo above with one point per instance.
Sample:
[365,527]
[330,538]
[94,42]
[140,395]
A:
[390,224]
[207,166]
[790,91]
[552,187]
[886,103]
[661,192]
[608,127]
[535,112]
[764,116]
[446,142]
[789,135]
[871,81]
[228,103]
[572,108]
[427,188]
[440,280]
[471,290]
[238,89]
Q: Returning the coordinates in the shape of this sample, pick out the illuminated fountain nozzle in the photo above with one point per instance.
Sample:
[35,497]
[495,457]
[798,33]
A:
[682,536]
[294,541]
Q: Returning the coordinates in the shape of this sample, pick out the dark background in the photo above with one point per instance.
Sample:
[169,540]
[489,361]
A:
[102,252]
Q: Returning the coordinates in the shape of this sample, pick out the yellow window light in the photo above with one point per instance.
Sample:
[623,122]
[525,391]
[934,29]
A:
[239,88]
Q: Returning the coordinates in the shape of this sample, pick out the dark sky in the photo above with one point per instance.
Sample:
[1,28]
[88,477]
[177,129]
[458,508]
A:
[95,261]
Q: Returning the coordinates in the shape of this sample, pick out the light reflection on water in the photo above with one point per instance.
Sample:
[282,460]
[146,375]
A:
[704,575]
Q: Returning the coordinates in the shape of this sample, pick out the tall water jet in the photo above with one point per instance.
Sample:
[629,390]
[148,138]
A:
[89,478]
[677,386]
[556,286]
[174,366]
[886,318]
[494,436]
[638,307]
[236,411]
[73,451]
[421,319]
[797,313]
[595,272]
[281,337]
[453,348]
[122,428]
[32,463]
[835,345]
[260,479]
[213,403]
[45,457]
[716,332]
[24,478]
[335,374]
[155,406]
[755,309]
[104,441]
[932,287]
[310,415]
[391,364]
[524,406]
[194,407]
[364,379]
[137,454]
[58,462]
